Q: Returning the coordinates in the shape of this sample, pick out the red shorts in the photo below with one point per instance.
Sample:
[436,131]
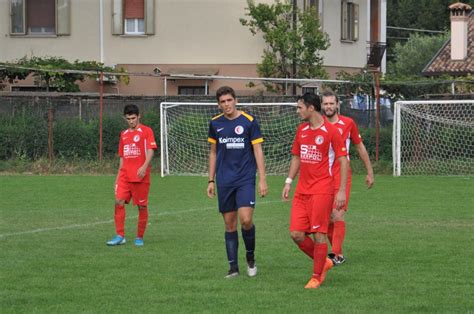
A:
[138,191]
[311,213]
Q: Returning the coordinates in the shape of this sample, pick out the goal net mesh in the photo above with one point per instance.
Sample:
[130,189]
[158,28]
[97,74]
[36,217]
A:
[184,133]
[433,138]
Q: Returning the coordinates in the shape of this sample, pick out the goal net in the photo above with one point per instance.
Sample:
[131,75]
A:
[433,138]
[184,133]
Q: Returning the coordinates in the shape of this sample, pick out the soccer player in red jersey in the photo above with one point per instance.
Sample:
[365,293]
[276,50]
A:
[316,146]
[350,133]
[136,148]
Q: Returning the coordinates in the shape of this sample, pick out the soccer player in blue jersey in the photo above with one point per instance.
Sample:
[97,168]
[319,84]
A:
[235,155]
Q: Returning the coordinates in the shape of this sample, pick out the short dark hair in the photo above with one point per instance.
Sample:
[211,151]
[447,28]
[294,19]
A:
[131,109]
[225,90]
[328,93]
[311,99]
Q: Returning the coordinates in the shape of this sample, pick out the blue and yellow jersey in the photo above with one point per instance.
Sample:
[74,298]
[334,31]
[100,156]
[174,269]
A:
[235,164]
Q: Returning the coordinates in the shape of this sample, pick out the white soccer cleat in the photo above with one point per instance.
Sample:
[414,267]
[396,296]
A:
[252,271]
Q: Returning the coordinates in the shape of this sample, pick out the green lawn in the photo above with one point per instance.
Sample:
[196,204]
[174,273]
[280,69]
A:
[409,247]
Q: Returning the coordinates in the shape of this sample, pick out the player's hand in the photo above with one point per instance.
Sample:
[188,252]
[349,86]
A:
[340,199]
[141,172]
[262,187]
[369,180]
[286,192]
[210,190]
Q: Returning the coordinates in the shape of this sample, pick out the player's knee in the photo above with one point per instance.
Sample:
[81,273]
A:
[142,207]
[119,202]
[320,237]
[246,223]
[297,236]
[338,215]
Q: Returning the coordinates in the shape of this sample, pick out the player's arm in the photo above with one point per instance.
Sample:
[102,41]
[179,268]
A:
[262,178]
[340,199]
[149,156]
[364,156]
[212,170]
[292,172]
[118,172]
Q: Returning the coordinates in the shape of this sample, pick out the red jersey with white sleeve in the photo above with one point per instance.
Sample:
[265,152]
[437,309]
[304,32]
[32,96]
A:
[350,134]
[133,147]
[317,150]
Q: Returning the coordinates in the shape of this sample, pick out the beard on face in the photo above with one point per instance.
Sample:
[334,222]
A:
[331,114]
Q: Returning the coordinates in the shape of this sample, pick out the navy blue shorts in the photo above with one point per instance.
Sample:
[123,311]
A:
[231,198]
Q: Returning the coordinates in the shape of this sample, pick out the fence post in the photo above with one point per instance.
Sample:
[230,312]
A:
[50,134]
[101,110]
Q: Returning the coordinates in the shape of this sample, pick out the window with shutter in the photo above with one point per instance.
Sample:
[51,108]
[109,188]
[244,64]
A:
[40,17]
[133,17]
[349,21]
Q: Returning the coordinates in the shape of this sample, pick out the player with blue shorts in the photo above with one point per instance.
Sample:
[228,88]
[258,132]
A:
[235,155]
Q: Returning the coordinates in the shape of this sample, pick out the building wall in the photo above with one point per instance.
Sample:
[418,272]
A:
[188,32]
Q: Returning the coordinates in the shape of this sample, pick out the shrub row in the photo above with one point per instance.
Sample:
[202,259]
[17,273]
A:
[25,137]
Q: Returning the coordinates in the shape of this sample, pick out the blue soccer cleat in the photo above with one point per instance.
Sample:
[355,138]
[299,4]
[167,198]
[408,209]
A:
[117,240]
[139,242]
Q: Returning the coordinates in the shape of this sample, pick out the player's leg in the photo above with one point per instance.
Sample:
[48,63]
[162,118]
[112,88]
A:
[339,229]
[231,242]
[228,209]
[140,198]
[245,198]
[299,225]
[122,196]
[320,206]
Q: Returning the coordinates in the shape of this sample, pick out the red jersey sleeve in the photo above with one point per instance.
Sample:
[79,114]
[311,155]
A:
[150,140]
[355,135]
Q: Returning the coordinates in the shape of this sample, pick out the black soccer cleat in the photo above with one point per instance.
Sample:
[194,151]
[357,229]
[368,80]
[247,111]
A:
[233,272]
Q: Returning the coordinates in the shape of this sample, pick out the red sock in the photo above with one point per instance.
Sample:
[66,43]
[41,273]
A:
[330,232]
[142,221]
[320,252]
[307,246]
[338,237]
[119,220]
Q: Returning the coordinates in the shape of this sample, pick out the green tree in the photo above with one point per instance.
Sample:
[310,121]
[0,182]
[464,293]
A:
[54,72]
[429,15]
[287,42]
[411,57]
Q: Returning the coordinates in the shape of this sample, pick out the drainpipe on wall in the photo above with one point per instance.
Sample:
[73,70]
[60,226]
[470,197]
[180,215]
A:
[101,30]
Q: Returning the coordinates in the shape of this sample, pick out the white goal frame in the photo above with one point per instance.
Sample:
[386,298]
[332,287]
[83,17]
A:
[408,108]
[164,140]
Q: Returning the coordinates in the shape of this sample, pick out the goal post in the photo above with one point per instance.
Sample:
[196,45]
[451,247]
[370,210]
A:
[184,133]
[433,138]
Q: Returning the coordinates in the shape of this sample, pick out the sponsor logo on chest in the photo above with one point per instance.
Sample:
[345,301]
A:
[234,142]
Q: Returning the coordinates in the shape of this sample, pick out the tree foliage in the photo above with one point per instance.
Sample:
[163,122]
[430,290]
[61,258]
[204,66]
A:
[411,57]
[54,72]
[287,44]
[429,15]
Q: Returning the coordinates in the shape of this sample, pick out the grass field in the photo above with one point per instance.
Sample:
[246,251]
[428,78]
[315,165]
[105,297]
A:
[409,247]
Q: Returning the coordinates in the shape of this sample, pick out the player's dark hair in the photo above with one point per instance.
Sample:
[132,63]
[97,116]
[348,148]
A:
[225,90]
[328,93]
[311,99]
[131,109]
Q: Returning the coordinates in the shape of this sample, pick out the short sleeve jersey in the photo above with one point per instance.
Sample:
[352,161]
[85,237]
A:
[234,139]
[317,150]
[350,134]
[133,147]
